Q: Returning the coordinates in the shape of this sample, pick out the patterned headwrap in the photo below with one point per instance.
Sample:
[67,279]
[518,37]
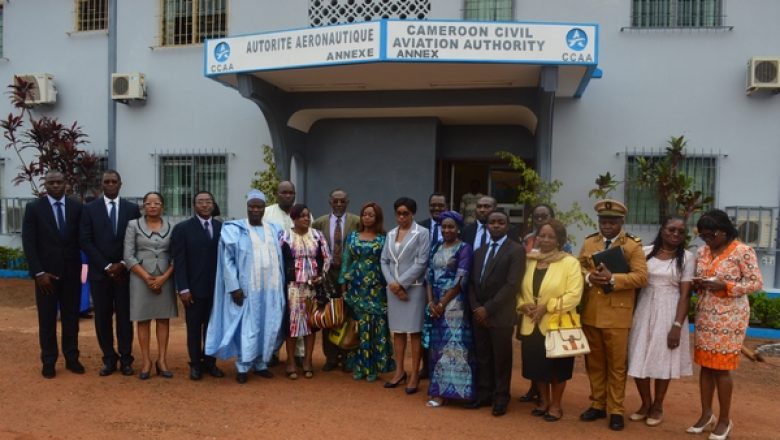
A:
[457,218]
[255,194]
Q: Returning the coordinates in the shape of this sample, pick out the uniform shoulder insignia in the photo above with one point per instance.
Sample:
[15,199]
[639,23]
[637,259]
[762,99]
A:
[592,235]
[634,237]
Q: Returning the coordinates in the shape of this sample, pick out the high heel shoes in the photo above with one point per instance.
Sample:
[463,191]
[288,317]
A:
[389,384]
[709,426]
[164,373]
[723,436]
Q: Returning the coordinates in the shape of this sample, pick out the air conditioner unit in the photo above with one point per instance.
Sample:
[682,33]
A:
[514,211]
[43,90]
[763,74]
[756,228]
[128,86]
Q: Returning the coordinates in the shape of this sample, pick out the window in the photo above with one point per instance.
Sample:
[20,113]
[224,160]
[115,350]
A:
[192,21]
[488,10]
[677,13]
[1,29]
[181,176]
[327,12]
[643,207]
[91,15]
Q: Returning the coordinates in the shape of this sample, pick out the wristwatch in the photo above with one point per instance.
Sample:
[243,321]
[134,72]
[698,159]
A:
[677,324]
[612,280]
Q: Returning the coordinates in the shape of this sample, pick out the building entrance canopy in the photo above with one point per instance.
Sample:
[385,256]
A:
[400,55]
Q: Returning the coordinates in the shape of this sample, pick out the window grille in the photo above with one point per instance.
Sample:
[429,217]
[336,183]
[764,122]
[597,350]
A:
[183,175]
[192,21]
[677,13]
[488,10]
[327,12]
[91,15]
[642,202]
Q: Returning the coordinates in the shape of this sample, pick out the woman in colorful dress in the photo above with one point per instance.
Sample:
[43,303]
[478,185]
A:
[448,332]
[363,287]
[658,346]
[726,272]
[306,258]
[552,284]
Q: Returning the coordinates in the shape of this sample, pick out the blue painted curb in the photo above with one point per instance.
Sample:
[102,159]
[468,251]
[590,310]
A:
[8,273]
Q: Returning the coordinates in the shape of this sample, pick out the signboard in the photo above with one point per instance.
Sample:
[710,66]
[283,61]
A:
[405,40]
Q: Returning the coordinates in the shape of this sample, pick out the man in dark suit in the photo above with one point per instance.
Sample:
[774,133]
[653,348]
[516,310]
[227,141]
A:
[336,227]
[195,242]
[437,203]
[50,237]
[493,284]
[102,237]
[476,234]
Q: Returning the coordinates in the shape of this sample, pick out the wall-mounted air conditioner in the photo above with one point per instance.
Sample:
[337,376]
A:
[763,73]
[757,227]
[128,86]
[43,90]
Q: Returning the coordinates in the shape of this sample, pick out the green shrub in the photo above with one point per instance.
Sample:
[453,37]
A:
[12,258]
[764,311]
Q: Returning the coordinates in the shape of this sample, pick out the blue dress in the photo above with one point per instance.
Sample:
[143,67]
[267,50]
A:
[450,338]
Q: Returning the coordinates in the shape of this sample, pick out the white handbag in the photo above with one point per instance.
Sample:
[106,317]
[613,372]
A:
[568,339]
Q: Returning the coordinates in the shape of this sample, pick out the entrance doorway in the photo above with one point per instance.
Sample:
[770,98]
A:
[461,180]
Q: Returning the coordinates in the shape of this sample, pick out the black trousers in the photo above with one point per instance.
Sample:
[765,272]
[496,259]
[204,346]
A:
[66,294]
[494,363]
[113,299]
[197,318]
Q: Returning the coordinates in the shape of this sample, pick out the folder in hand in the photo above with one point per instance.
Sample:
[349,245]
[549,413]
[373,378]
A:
[614,260]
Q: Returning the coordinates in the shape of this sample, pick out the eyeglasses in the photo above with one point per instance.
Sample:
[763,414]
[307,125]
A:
[680,231]
[707,236]
[152,204]
[403,213]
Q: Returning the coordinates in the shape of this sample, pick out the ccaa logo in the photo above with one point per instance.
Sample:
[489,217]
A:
[222,52]
[576,39]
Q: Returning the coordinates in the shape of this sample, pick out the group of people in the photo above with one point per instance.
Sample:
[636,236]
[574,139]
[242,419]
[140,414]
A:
[454,293]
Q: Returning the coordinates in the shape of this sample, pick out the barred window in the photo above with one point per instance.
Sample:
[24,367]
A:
[192,21]
[643,205]
[677,13]
[183,175]
[91,15]
[328,12]
[488,10]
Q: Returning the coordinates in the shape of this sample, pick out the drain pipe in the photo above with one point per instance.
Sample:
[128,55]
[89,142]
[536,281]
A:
[112,46]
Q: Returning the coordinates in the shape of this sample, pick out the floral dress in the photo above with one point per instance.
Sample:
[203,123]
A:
[362,274]
[306,256]
[722,316]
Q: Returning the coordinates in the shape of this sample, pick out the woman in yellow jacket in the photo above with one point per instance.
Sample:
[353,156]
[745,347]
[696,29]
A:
[553,281]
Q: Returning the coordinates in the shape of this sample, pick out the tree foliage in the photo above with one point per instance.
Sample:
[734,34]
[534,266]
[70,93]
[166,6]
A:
[267,180]
[43,144]
[534,190]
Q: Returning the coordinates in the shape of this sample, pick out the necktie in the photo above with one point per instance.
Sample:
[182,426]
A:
[60,218]
[337,243]
[435,235]
[112,216]
[491,254]
[607,243]
[207,229]
[484,235]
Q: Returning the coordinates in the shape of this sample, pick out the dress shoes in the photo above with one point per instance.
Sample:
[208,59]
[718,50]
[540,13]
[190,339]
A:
[330,366]
[214,371]
[499,409]
[592,414]
[266,374]
[708,426]
[616,422]
[48,371]
[126,369]
[476,404]
[723,436]
[530,396]
[107,369]
[242,378]
[195,373]
[74,366]
[168,374]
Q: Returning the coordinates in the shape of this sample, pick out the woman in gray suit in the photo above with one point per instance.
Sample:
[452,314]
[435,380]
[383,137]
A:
[148,255]
[404,260]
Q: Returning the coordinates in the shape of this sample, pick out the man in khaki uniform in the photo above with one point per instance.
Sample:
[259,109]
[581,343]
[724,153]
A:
[608,307]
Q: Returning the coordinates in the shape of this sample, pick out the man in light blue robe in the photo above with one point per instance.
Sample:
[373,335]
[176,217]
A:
[249,300]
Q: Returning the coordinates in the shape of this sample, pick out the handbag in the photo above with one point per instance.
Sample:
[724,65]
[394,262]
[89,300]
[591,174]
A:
[328,309]
[565,337]
[345,336]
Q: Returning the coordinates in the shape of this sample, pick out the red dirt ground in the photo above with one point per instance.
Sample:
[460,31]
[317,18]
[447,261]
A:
[331,405]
